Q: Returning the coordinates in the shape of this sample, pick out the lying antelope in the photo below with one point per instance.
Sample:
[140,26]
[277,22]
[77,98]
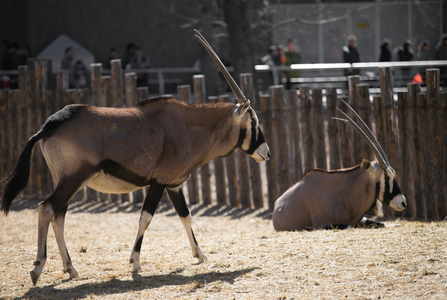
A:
[158,143]
[340,198]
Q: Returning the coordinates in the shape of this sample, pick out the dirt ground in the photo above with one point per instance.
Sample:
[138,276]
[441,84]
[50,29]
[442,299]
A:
[247,259]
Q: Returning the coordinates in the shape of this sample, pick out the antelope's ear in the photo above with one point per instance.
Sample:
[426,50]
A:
[365,164]
[242,109]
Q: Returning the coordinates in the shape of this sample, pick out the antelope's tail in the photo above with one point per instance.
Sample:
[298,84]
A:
[17,181]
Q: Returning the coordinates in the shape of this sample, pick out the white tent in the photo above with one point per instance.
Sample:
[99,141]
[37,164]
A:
[56,50]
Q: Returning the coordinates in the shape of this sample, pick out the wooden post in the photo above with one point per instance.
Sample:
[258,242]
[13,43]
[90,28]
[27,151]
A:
[406,180]
[142,93]
[272,185]
[246,83]
[307,142]
[96,75]
[318,128]
[364,110]
[184,94]
[61,86]
[333,129]
[355,141]
[231,167]
[205,175]
[427,143]
[443,125]
[282,174]
[23,112]
[294,129]
[434,111]
[416,160]
[130,88]
[116,82]
[219,170]
[380,134]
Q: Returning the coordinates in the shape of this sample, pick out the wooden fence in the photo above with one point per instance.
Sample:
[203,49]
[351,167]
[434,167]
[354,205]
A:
[297,125]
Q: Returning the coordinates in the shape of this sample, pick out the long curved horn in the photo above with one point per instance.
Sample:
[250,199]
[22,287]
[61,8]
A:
[368,131]
[234,87]
[373,147]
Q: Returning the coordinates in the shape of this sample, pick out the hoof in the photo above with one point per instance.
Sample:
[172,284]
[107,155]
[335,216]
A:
[202,257]
[73,273]
[34,277]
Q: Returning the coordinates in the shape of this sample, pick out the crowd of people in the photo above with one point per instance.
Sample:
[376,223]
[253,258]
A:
[277,56]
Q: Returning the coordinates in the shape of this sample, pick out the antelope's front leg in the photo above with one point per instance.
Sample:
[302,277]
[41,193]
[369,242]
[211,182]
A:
[179,202]
[150,205]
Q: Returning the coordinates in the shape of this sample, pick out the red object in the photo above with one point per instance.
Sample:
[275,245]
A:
[417,79]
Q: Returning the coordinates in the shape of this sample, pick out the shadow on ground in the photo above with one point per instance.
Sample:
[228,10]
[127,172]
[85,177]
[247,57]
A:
[138,283]
[165,206]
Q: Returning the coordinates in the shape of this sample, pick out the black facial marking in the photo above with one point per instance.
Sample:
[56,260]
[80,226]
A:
[118,171]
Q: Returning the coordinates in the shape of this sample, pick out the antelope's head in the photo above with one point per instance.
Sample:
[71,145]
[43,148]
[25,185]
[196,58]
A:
[251,139]
[387,189]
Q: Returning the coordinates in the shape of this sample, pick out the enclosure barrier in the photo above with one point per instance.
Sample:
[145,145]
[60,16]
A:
[298,126]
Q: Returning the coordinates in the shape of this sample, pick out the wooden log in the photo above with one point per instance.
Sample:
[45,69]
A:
[23,117]
[364,110]
[346,148]
[143,93]
[61,86]
[116,82]
[205,175]
[355,141]
[434,111]
[333,130]
[282,174]
[219,170]
[307,142]
[318,128]
[184,94]
[416,161]
[294,130]
[443,124]
[272,184]
[246,84]
[427,142]
[381,136]
[130,88]
[230,163]
[13,134]
[96,74]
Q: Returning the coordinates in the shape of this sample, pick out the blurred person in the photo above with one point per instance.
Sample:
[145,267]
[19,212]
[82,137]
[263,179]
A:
[81,75]
[67,65]
[128,56]
[351,55]
[113,54]
[140,61]
[292,57]
[385,53]
[269,60]
[423,54]
[405,53]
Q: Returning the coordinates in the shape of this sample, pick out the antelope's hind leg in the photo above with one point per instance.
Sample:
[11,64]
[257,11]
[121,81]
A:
[150,205]
[53,210]
[179,202]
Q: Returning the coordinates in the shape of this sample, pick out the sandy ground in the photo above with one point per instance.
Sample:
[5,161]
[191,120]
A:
[247,259]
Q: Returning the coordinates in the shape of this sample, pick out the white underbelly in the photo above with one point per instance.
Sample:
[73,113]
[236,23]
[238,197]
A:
[105,183]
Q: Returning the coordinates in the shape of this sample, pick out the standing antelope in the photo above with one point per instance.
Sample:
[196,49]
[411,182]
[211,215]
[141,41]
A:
[158,143]
[340,198]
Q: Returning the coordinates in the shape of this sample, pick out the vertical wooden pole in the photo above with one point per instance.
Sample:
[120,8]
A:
[294,129]
[205,175]
[282,174]
[308,141]
[333,129]
[117,82]
[272,185]
[130,88]
[318,128]
[355,141]
[434,110]
[415,148]
[219,170]
[5,164]
[443,126]
[184,94]
[23,117]
[246,84]
[427,142]
[364,110]
[96,75]
[381,136]
[143,93]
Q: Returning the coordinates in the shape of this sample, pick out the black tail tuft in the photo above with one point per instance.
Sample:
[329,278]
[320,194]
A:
[19,178]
